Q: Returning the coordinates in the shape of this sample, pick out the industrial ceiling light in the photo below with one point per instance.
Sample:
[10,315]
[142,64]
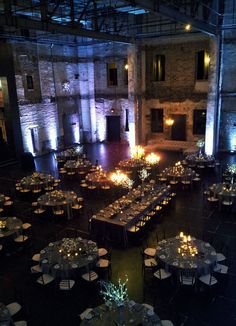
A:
[187,27]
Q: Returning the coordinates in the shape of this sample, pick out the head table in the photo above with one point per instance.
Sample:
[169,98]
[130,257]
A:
[62,257]
[200,259]
[116,218]
[134,313]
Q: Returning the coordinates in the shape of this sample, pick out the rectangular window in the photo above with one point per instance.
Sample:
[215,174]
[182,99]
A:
[159,68]
[29,81]
[156,120]
[126,67]
[111,74]
[202,65]
[199,122]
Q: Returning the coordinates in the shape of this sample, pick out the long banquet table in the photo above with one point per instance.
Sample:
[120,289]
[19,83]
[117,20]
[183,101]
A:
[114,220]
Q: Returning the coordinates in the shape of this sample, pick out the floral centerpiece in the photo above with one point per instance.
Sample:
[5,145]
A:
[71,247]
[187,247]
[200,144]
[152,159]
[57,195]
[137,152]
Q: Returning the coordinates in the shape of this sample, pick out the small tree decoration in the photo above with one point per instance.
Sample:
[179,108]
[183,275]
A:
[112,293]
[143,175]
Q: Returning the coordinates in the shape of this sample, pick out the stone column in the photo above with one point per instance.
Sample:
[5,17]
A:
[87,93]
[212,100]
[134,94]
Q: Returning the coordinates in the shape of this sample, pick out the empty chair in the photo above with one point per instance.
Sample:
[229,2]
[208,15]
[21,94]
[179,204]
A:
[85,313]
[166,322]
[162,274]
[36,257]
[208,280]
[20,323]
[220,257]
[21,238]
[90,276]
[150,252]
[102,252]
[13,308]
[36,269]
[187,279]
[45,279]
[66,285]
[58,211]
[26,226]
[222,269]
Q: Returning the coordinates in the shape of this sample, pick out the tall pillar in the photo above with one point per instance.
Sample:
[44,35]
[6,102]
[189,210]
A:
[211,137]
[134,94]
[87,93]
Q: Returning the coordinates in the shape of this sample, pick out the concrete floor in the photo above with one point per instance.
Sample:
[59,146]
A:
[190,212]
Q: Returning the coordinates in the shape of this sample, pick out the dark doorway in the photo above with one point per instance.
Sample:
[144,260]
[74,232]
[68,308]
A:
[113,128]
[178,130]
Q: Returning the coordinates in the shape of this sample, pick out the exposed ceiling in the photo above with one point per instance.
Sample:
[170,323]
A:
[116,20]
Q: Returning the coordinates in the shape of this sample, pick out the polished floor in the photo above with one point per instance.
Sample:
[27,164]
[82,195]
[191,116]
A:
[190,212]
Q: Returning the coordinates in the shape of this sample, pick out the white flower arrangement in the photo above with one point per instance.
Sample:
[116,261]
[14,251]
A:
[231,169]
[143,174]
[200,143]
[128,183]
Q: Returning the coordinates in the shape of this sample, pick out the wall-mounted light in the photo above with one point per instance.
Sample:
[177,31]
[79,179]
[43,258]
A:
[206,59]
[187,27]
[169,122]
[126,66]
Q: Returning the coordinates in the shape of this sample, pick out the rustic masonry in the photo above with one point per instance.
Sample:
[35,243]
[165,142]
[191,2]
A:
[65,95]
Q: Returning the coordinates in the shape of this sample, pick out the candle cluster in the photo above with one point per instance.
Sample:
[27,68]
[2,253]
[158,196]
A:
[137,152]
[70,247]
[3,224]
[152,159]
[187,247]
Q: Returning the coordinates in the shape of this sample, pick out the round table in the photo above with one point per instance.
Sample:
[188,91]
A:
[178,173]
[37,181]
[98,179]
[5,316]
[134,314]
[224,191]
[201,264]
[54,258]
[79,166]
[201,160]
[59,198]
[9,226]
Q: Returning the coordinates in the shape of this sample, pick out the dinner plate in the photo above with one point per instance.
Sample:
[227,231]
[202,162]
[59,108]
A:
[162,256]
[90,258]
[213,253]
[44,261]
[175,263]
[207,261]
[42,252]
[207,245]
[57,266]
[50,244]
[74,266]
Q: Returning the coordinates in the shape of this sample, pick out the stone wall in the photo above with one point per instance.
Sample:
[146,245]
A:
[180,93]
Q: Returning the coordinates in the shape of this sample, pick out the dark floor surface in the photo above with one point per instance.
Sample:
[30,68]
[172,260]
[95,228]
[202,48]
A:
[49,307]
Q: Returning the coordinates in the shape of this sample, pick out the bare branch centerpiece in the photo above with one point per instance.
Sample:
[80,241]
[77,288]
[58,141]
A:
[115,295]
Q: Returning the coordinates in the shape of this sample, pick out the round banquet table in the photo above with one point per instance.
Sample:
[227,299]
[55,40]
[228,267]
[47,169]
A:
[197,159]
[201,264]
[37,180]
[98,179]
[134,313]
[5,316]
[224,191]
[13,226]
[59,198]
[78,166]
[178,173]
[57,264]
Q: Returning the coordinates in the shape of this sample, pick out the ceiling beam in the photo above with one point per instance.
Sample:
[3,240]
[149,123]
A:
[157,7]
[28,23]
